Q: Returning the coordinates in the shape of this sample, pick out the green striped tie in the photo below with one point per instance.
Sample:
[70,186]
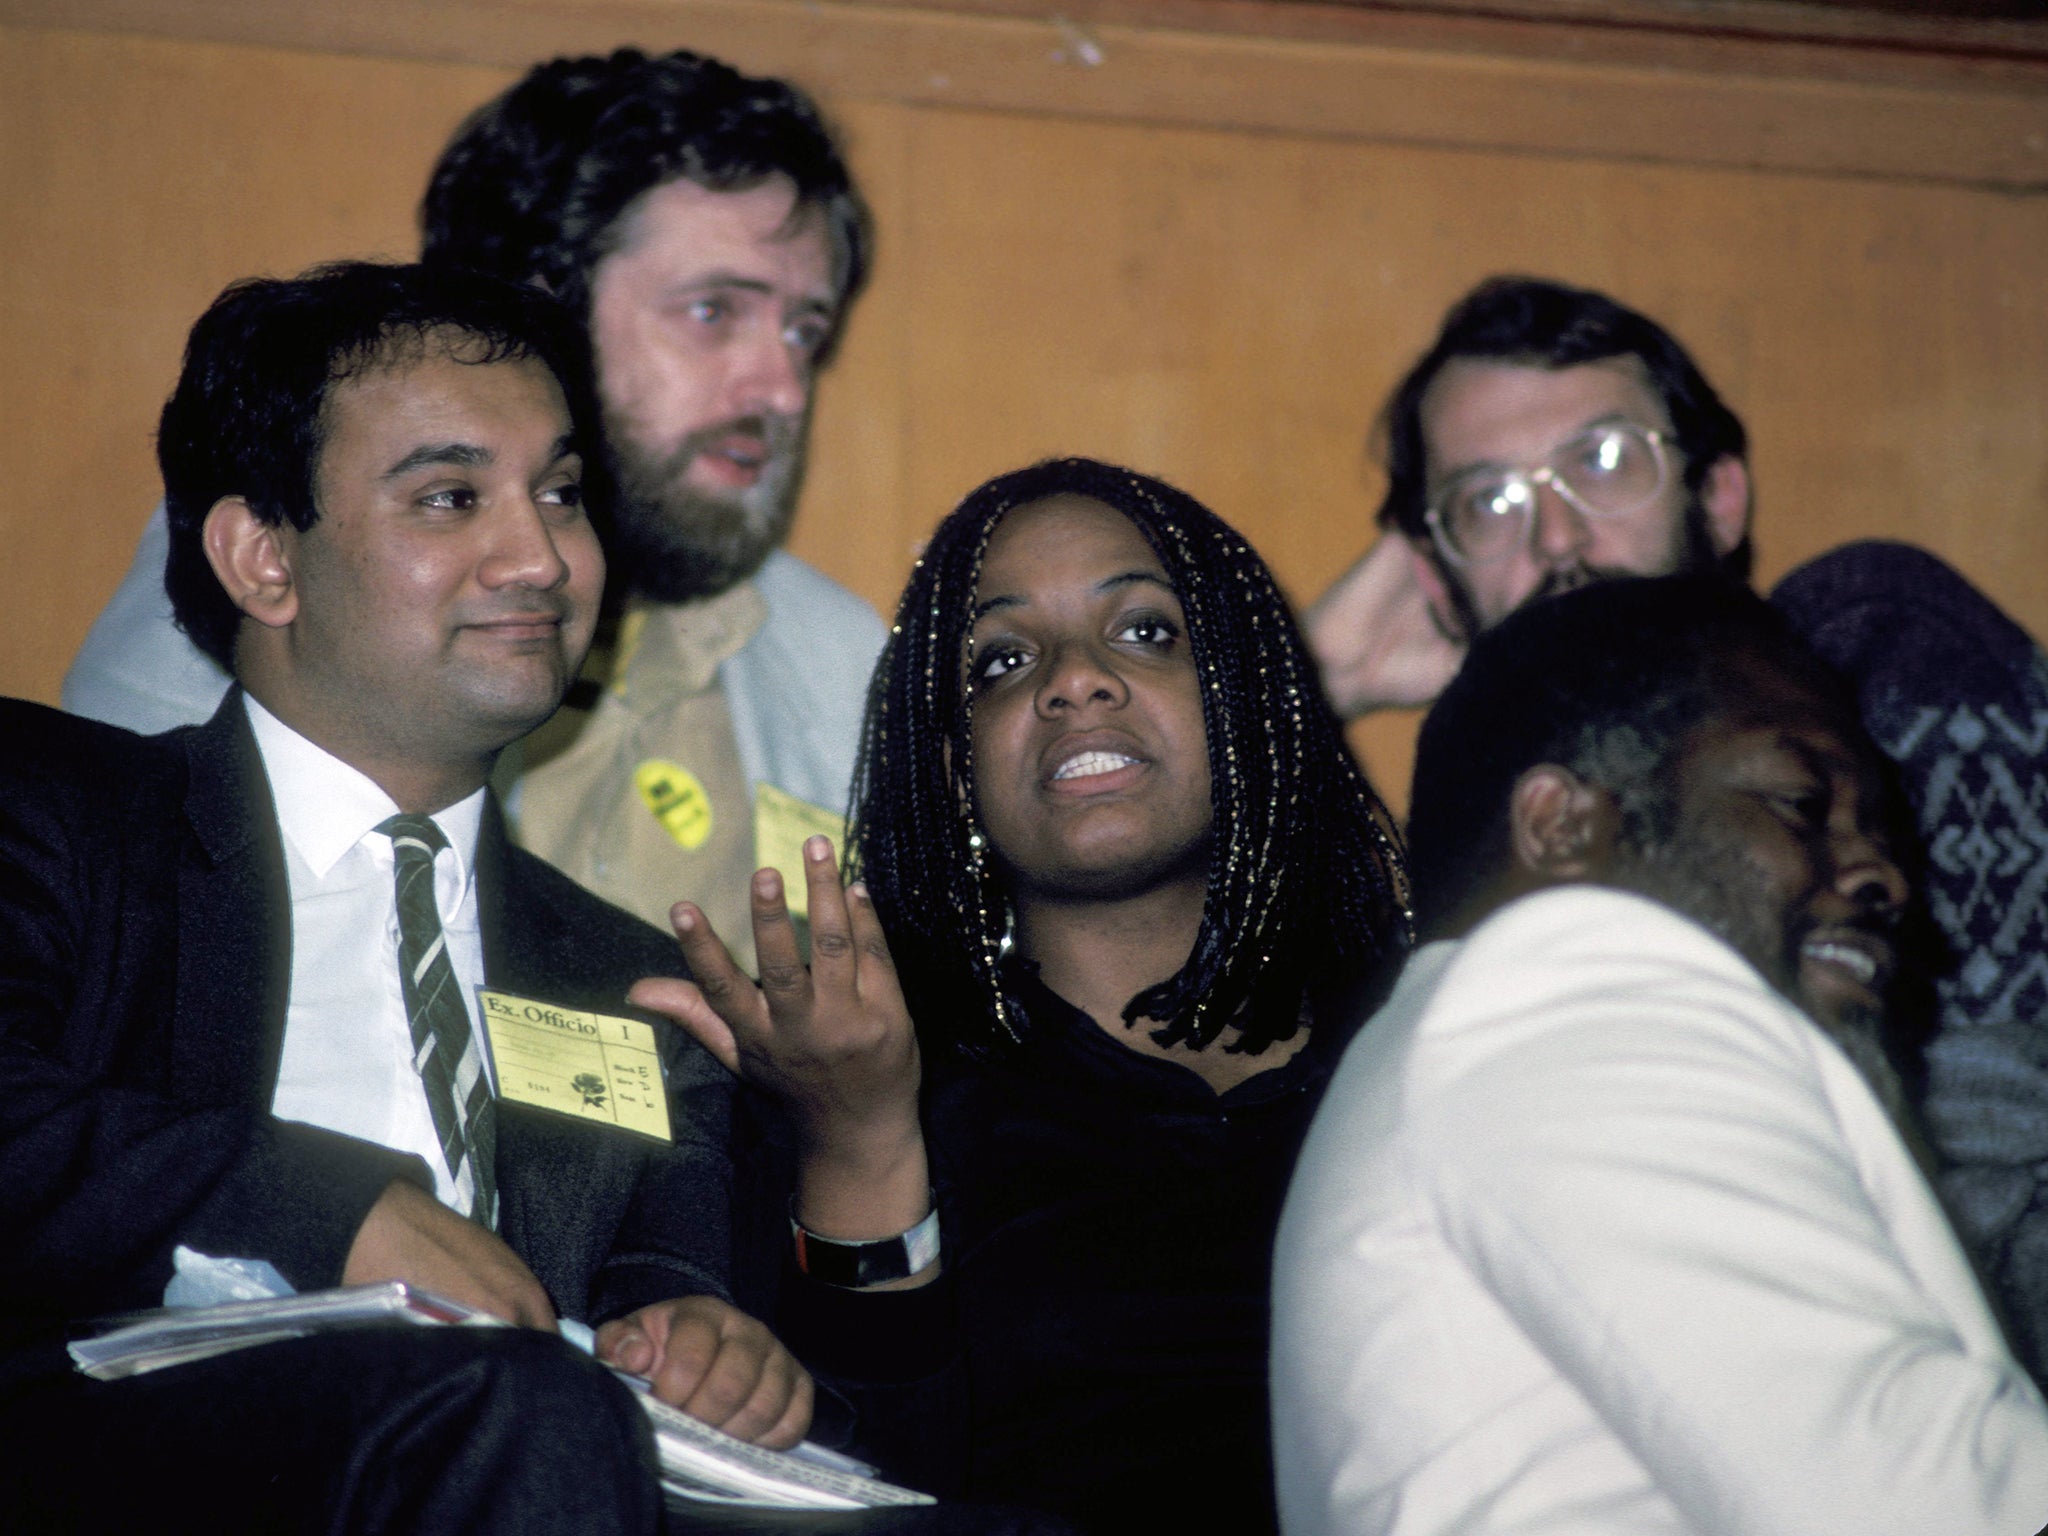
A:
[444,1050]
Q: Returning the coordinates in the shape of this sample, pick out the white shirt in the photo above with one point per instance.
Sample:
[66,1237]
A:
[348,1056]
[1594,1233]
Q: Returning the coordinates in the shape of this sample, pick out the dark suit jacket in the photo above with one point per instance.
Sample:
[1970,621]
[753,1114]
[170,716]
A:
[145,961]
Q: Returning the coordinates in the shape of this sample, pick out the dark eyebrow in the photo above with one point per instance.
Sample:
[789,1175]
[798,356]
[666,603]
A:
[1104,587]
[1821,760]
[1798,747]
[1131,578]
[1488,466]
[1863,767]
[459,455]
[467,456]
[723,279]
[712,281]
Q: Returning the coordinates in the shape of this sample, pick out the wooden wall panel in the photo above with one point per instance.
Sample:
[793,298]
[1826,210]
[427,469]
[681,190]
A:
[1229,311]
[140,178]
[1664,80]
[1222,307]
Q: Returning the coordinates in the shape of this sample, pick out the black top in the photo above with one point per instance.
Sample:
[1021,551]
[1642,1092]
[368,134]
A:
[1097,1345]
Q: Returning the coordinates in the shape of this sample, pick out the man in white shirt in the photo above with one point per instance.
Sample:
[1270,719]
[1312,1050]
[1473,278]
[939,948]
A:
[1603,1225]
[1552,436]
[704,226]
[238,998]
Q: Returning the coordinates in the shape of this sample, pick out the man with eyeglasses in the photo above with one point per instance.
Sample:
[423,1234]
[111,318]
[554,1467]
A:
[1552,437]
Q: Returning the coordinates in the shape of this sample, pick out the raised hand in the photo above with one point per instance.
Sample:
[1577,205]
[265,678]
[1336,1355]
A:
[832,1042]
[1385,633]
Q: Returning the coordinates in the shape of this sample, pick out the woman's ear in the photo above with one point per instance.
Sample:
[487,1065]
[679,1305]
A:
[251,562]
[1560,828]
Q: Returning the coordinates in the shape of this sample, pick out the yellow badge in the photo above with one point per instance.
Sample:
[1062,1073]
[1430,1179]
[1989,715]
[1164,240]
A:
[677,799]
[589,1065]
[781,824]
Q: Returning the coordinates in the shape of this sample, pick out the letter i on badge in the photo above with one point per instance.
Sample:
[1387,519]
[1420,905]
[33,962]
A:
[592,1066]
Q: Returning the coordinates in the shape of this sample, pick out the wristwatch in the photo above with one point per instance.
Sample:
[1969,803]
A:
[855,1266]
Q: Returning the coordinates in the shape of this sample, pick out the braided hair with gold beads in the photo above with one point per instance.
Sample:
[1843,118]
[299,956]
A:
[1305,880]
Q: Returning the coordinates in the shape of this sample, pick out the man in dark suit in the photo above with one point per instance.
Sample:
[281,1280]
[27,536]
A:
[237,966]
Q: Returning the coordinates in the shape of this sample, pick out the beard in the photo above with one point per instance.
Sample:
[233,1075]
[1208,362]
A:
[1696,553]
[673,542]
[1707,881]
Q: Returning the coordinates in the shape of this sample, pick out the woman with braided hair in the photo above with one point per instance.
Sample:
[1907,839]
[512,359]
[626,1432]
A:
[1137,894]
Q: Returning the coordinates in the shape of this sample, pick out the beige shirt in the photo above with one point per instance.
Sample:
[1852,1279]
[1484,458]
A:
[642,798]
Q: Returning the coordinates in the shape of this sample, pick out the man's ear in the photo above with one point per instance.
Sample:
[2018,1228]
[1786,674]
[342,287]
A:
[250,561]
[1560,828]
[1725,495]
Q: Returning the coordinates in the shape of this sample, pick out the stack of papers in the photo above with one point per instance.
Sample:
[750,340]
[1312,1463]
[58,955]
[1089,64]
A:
[698,1463]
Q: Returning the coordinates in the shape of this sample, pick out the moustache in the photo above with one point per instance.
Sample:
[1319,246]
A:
[534,606]
[1569,578]
[778,435]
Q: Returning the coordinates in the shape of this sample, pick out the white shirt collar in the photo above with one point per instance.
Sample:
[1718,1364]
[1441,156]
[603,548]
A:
[325,807]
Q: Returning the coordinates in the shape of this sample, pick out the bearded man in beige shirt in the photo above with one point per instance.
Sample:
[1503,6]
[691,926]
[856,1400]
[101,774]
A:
[704,225]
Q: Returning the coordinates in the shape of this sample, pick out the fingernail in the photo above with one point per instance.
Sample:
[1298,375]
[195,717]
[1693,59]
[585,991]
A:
[817,848]
[685,918]
[765,883]
[859,889]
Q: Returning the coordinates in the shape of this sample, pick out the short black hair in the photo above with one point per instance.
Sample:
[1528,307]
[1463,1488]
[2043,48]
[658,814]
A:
[1305,883]
[535,183]
[248,417]
[1605,681]
[1549,325]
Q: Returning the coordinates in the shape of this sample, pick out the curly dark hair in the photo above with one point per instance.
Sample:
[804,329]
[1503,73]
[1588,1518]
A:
[248,416]
[1550,325]
[535,183]
[1305,880]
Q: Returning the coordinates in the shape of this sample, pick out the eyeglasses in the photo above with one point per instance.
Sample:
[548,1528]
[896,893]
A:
[1614,470]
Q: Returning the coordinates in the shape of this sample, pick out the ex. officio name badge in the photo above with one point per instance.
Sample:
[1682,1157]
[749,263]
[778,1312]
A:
[590,1065]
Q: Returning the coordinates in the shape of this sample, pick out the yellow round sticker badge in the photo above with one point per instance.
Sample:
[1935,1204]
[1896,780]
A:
[678,801]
